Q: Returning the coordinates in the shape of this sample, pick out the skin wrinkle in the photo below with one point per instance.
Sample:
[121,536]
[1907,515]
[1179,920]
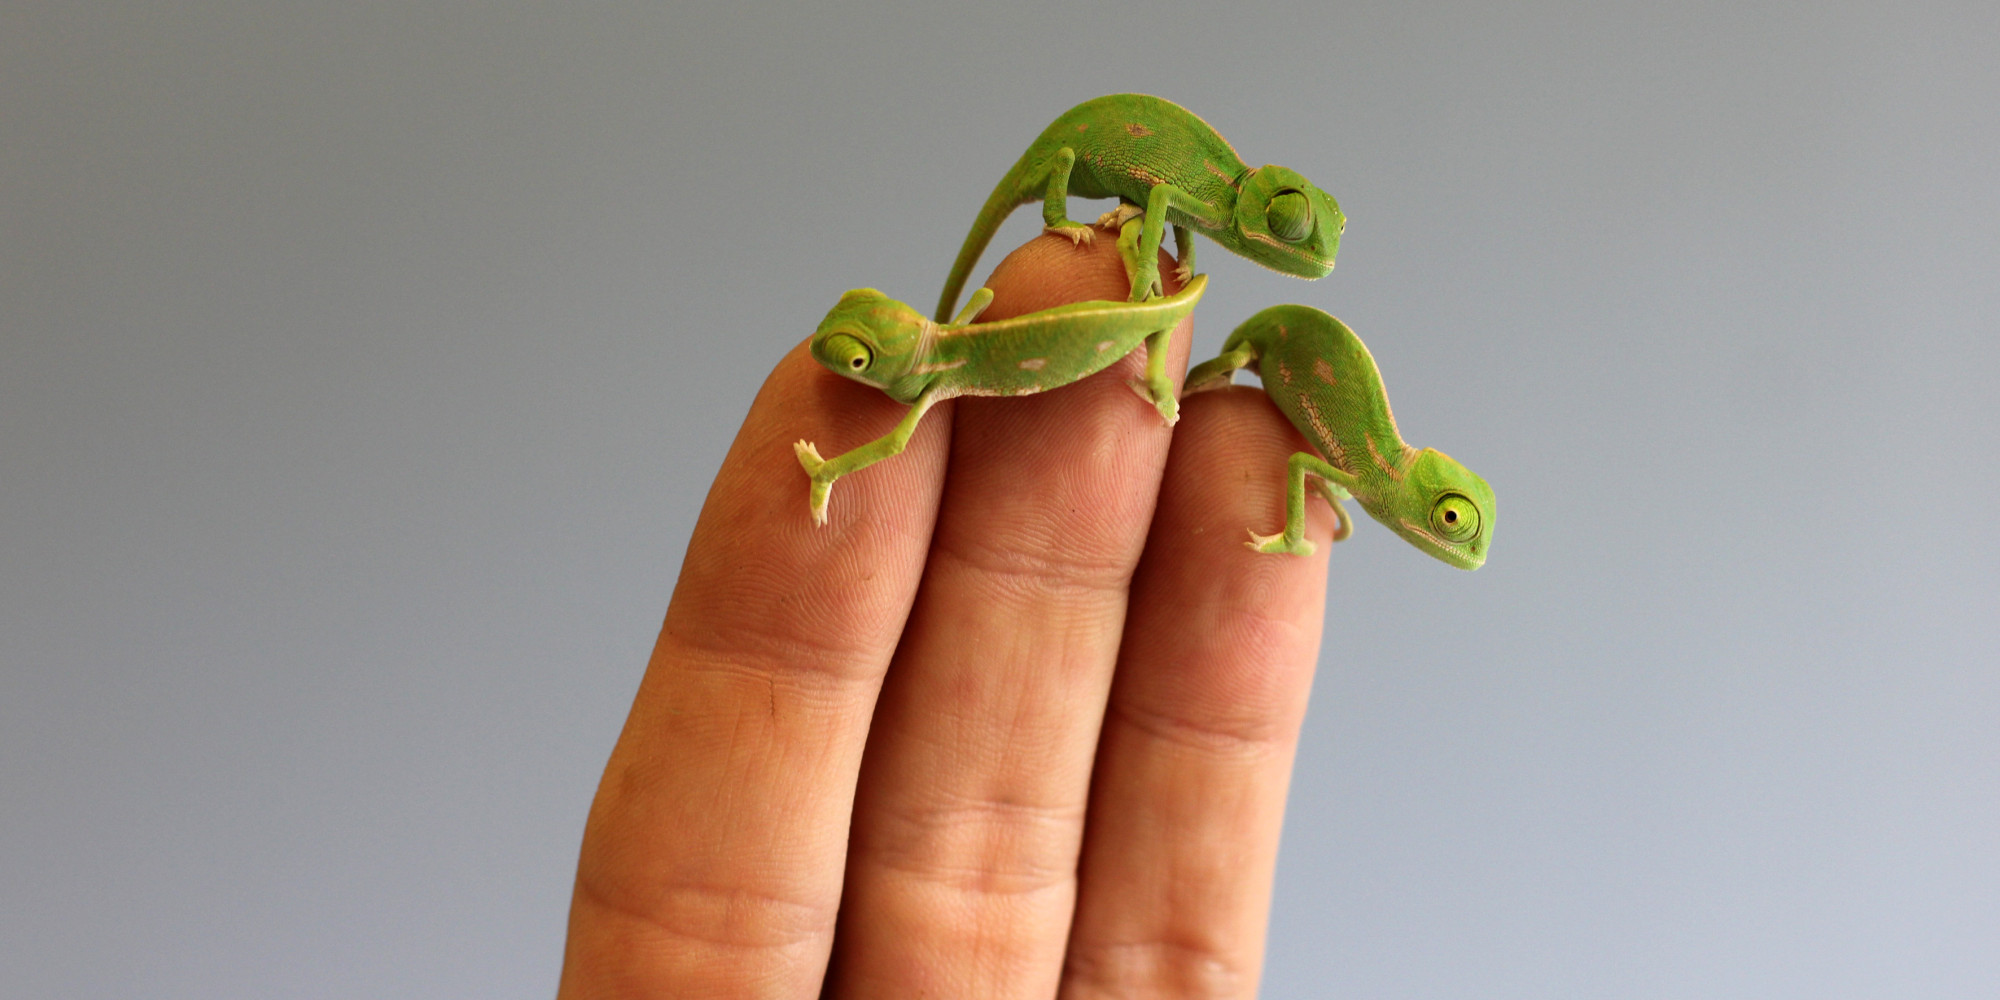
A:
[1244,741]
[1124,969]
[799,660]
[988,880]
[795,923]
[1019,576]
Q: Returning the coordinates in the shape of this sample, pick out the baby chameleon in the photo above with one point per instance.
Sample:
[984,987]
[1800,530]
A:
[1323,378]
[879,341]
[1167,166]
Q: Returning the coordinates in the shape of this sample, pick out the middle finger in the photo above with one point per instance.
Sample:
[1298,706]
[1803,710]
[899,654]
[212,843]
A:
[969,811]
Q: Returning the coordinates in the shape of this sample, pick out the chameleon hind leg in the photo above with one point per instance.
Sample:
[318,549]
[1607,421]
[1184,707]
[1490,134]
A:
[1328,482]
[825,470]
[1118,217]
[1155,388]
[1215,372]
[1183,237]
[1146,280]
[1055,198]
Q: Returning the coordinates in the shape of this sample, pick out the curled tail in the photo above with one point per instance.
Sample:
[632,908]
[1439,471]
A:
[1001,203]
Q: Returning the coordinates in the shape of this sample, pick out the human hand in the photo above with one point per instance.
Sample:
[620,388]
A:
[1015,724]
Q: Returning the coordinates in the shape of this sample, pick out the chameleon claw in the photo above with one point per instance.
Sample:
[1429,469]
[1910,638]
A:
[1169,407]
[1276,545]
[1183,272]
[1078,235]
[816,496]
[808,456]
[1117,217]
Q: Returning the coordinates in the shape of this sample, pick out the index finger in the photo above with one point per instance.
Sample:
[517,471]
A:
[713,854]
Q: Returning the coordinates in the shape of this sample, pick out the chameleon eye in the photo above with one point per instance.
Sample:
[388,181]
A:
[1289,215]
[842,352]
[1454,518]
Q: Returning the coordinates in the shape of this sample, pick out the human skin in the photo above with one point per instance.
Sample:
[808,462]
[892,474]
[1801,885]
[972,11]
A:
[1019,724]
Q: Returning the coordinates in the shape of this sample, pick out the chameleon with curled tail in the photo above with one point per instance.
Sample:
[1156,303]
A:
[878,341]
[1167,167]
[1324,380]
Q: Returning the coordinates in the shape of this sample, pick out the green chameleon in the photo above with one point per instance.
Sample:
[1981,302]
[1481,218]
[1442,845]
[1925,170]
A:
[1167,167]
[878,341]
[1323,378]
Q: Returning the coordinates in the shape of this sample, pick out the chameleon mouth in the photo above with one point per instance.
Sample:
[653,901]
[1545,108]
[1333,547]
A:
[1324,264]
[1451,552]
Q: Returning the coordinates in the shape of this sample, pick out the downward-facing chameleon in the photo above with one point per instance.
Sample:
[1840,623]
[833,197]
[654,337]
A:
[1168,167]
[879,341]
[1323,378]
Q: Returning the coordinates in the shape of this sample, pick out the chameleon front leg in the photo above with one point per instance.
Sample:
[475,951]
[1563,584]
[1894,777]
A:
[1155,388]
[980,300]
[1330,483]
[825,470]
[1214,373]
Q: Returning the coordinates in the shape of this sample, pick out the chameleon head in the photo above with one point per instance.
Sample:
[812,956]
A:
[1444,509]
[1286,224]
[873,339]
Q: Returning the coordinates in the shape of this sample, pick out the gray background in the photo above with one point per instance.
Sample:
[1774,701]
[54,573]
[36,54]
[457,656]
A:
[363,368]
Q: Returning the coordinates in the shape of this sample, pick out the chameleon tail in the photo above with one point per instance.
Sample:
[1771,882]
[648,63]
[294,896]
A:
[1001,203]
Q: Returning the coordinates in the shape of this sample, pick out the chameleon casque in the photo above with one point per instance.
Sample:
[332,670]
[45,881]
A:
[878,341]
[1167,167]
[1321,375]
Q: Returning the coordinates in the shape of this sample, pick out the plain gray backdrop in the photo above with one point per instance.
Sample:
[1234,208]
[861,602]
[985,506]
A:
[363,365]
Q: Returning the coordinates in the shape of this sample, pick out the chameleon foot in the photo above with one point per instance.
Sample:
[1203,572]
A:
[1078,235]
[808,456]
[816,497]
[1276,545]
[1183,272]
[1117,217]
[1169,407]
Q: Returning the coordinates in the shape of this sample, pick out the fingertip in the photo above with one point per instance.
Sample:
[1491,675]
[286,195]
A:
[1049,271]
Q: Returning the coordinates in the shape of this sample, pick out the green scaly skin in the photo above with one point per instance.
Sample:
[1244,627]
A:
[1167,167]
[1323,378]
[878,341]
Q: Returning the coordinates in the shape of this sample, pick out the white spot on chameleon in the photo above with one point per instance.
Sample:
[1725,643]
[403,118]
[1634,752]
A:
[930,367]
[1323,436]
[1323,370]
[1033,364]
[1103,345]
